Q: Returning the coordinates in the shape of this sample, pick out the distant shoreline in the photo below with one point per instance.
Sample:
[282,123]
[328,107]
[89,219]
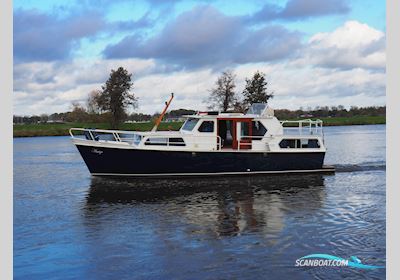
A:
[61,129]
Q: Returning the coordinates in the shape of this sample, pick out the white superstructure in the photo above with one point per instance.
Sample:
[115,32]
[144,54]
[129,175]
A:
[256,131]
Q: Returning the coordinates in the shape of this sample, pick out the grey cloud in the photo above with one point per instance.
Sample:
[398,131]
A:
[186,39]
[204,36]
[42,37]
[371,89]
[108,3]
[300,9]
[268,44]
[144,22]
[375,46]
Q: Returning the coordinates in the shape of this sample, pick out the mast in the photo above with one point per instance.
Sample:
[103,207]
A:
[163,113]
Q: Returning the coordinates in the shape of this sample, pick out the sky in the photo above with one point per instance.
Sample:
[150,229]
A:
[313,52]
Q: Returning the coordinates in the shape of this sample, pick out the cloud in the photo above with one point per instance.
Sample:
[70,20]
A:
[40,36]
[294,85]
[350,46]
[187,39]
[49,86]
[300,9]
[206,37]
[317,86]
[267,44]
[345,66]
[143,22]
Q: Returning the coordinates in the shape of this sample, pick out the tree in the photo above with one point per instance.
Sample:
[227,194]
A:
[256,90]
[92,103]
[223,95]
[78,113]
[44,118]
[240,107]
[116,97]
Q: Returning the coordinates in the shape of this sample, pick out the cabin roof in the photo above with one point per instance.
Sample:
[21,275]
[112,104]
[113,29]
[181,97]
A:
[226,115]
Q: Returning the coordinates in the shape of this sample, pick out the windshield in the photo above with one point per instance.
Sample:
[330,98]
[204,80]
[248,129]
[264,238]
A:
[189,124]
[256,109]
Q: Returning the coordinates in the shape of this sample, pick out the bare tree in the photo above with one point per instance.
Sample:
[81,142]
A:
[78,113]
[223,96]
[92,103]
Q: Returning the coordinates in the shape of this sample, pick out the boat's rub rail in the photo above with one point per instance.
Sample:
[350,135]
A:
[324,169]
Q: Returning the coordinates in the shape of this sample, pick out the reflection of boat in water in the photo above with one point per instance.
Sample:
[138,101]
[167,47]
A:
[221,206]
[121,190]
[208,143]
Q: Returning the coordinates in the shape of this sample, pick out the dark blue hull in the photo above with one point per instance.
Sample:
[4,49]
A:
[129,162]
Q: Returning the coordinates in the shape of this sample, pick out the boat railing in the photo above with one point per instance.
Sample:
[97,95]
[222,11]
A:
[303,127]
[94,134]
[137,137]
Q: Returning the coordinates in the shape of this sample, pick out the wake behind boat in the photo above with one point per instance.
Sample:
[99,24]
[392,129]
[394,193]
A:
[208,143]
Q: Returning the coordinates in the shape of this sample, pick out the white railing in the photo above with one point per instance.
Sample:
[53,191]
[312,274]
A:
[93,133]
[139,138]
[307,126]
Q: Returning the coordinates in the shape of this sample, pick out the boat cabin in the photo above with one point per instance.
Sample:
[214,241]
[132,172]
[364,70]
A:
[234,130]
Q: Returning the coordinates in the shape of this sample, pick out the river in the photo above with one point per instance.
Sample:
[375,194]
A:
[68,225]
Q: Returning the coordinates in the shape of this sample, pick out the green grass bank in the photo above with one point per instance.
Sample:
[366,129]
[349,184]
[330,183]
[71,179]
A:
[55,129]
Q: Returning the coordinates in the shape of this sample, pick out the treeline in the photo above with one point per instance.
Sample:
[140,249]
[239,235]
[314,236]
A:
[333,111]
[79,114]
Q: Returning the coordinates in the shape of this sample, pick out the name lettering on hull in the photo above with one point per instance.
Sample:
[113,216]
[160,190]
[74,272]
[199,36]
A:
[96,151]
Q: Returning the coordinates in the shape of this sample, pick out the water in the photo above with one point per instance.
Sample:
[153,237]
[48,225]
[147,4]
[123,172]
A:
[68,225]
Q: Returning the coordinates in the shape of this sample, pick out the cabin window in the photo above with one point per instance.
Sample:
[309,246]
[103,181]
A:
[157,141]
[190,124]
[176,142]
[207,126]
[299,143]
[310,143]
[130,138]
[256,109]
[137,138]
[258,130]
[165,142]
[289,143]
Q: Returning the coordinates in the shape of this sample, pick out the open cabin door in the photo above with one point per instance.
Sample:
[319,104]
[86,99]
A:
[235,133]
[226,129]
[244,134]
